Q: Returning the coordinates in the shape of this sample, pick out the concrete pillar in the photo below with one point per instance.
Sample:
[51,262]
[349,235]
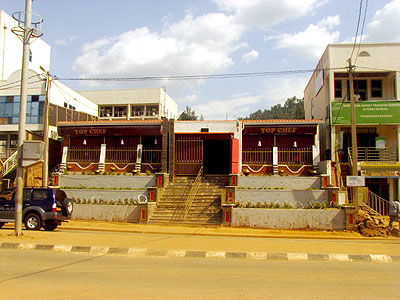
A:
[275,160]
[351,215]
[227,215]
[398,159]
[63,164]
[164,151]
[171,150]
[102,160]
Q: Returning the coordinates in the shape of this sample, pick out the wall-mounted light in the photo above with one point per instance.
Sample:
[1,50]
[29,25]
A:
[122,142]
[259,143]
[295,144]
[84,142]
[155,141]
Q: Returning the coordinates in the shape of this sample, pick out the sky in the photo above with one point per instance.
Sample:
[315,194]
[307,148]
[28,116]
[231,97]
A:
[148,38]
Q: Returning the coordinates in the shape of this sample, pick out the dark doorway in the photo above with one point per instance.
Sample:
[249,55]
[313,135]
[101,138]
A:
[379,186]
[217,157]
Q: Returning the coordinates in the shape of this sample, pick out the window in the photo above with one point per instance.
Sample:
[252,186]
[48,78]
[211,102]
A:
[30,55]
[338,89]
[65,104]
[119,111]
[360,88]
[137,111]
[376,88]
[151,110]
[105,111]
[39,195]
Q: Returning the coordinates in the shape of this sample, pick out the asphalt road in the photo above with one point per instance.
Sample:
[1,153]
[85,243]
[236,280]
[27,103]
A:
[49,275]
[195,242]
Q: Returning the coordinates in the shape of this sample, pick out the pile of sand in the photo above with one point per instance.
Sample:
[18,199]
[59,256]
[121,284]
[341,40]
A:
[369,223]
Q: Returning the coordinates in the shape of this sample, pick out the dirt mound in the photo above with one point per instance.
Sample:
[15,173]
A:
[369,223]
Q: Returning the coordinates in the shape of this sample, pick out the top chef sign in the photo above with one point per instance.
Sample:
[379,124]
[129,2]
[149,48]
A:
[90,131]
[278,130]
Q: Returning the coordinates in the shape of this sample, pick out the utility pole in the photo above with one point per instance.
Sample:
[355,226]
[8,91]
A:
[354,149]
[25,32]
[45,168]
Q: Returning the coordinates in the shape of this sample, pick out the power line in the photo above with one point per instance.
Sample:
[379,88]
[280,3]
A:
[362,30]
[358,26]
[195,77]
[12,84]
[64,92]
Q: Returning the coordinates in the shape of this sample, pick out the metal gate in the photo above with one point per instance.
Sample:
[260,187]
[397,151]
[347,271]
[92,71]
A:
[188,157]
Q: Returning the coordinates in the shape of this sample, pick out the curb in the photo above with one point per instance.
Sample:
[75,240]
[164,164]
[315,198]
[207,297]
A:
[224,234]
[146,252]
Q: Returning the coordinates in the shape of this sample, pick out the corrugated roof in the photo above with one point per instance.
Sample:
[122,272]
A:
[109,122]
[284,121]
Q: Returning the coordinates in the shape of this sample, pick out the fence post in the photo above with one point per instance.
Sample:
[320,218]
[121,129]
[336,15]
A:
[63,164]
[316,157]
[275,160]
[102,161]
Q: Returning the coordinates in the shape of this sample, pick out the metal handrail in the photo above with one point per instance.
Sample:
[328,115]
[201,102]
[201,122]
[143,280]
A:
[338,169]
[375,154]
[192,193]
[377,203]
[9,164]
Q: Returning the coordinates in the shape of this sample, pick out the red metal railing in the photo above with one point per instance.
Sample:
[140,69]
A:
[257,156]
[120,155]
[83,154]
[295,156]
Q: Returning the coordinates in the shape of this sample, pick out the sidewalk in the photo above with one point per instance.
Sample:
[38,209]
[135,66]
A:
[87,236]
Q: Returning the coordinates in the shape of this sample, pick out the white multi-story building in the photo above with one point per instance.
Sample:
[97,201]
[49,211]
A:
[65,104]
[145,103]
[376,89]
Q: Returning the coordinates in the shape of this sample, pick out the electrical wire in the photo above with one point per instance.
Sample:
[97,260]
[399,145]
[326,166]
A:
[17,83]
[358,26]
[362,30]
[195,77]
[63,93]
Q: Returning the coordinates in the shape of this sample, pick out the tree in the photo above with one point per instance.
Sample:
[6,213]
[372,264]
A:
[293,108]
[188,114]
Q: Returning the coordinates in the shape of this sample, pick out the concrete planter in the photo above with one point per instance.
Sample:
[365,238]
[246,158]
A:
[296,198]
[106,195]
[112,213]
[107,181]
[333,219]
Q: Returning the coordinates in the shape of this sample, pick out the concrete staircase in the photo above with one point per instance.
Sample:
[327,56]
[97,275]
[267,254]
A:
[205,208]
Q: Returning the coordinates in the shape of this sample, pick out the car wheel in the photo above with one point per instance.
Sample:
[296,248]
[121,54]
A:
[2,224]
[67,207]
[50,226]
[33,222]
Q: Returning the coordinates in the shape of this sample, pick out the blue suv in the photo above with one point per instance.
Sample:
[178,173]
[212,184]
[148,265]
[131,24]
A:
[42,207]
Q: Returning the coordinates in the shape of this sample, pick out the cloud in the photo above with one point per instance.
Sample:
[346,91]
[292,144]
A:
[250,56]
[385,24]
[265,14]
[199,45]
[187,99]
[66,41]
[278,89]
[235,107]
[310,43]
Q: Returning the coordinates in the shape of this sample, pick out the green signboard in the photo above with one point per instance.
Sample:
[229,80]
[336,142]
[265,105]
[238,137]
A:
[367,112]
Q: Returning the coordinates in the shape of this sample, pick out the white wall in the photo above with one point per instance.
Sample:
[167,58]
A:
[143,96]
[11,50]
[213,126]
[60,93]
